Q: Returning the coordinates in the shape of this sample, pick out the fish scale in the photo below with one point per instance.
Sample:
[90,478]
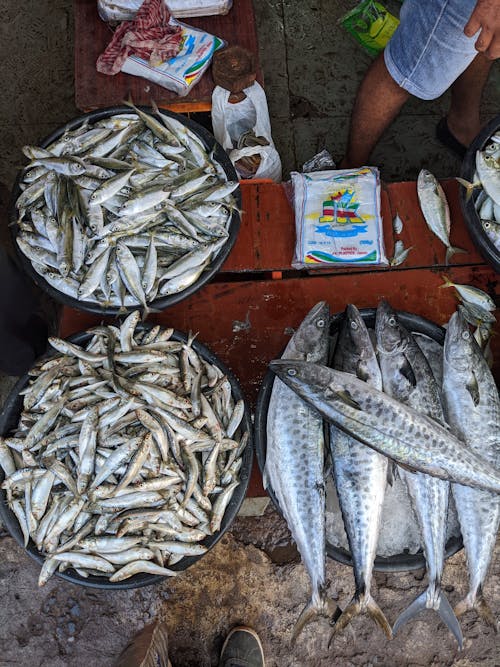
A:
[295,463]
[112,178]
[100,452]
[386,424]
[360,474]
[408,377]
[473,411]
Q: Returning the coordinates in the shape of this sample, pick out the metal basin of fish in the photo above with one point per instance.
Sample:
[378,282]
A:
[479,235]
[208,251]
[10,418]
[405,560]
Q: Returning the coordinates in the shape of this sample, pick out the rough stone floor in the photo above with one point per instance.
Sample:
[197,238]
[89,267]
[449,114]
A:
[311,70]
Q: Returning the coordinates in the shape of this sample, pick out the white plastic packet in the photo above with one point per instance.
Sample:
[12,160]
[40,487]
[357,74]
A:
[114,11]
[183,71]
[337,218]
[230,121]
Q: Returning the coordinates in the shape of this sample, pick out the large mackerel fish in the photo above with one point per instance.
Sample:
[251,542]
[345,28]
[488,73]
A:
[390,427]
[408,377]
[473,410]
[360,474]
[295,463]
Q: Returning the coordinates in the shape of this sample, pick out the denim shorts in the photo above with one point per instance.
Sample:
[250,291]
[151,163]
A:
[429,50]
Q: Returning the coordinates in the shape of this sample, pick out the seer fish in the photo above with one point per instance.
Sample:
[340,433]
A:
[473,411]
[294,464]
[360,474]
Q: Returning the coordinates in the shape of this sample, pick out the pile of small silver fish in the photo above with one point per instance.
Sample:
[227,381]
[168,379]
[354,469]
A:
[124,210]
[385,406]
[487,178]
[435,210]
[126,455]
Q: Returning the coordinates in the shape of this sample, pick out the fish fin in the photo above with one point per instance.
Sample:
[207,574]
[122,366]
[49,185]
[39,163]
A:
[361,372]
[314,608]
[359,605]
[451,250]
[469,187]
[391,472]
[155,108]
[444,610]
[480,605]
[345,397]
[473,389]
[148,648]
[407,372]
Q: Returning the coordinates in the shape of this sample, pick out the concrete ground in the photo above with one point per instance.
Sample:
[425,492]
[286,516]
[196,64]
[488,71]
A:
[312,70]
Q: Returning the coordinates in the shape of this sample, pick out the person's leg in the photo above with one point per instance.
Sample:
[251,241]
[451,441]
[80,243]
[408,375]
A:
[463,117]
[377,104]
[425,56]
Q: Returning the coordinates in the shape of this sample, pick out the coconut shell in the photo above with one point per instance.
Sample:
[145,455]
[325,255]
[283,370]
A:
[234,68]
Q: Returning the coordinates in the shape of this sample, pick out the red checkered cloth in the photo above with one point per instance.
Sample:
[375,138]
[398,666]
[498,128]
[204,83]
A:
[149,36]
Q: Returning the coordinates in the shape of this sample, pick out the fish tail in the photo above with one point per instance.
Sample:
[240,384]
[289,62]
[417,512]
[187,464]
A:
[442,607]
[359,605]
[317,606]
[451,250]
[154,106]
[478,603]
[469,187]
[447,282]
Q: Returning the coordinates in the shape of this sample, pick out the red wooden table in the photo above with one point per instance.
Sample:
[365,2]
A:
[244,315]
[94,90]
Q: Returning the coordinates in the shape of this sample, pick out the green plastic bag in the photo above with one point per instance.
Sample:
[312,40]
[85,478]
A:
[371,25]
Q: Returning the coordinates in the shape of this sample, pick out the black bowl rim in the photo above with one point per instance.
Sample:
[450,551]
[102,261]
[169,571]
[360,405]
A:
[164,302]
[10,413]
[398,562]
[481,240]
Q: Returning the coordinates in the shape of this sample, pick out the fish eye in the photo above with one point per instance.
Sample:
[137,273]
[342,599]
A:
[320,324]
[392,321]
[465,335]
[354,325]
[291,372]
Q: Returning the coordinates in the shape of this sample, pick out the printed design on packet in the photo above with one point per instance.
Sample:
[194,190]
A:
[337,218]
[340,219]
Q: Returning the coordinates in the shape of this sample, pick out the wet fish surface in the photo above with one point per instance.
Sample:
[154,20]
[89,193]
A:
[408,377]
[473,412]
[118,203]
[386,424]
[136,454]
[294,466]
[435,210]
[360,474]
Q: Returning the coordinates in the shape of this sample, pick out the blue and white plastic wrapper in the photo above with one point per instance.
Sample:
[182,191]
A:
[337,218]
[184,70]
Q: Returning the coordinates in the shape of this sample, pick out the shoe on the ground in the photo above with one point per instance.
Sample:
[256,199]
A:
[242,648]
[448,139]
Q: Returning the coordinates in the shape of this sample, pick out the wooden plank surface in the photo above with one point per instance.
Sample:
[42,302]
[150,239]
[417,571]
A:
[94,90]
[267,237]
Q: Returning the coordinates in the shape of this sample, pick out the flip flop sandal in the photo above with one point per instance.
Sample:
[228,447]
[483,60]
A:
[444,135]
